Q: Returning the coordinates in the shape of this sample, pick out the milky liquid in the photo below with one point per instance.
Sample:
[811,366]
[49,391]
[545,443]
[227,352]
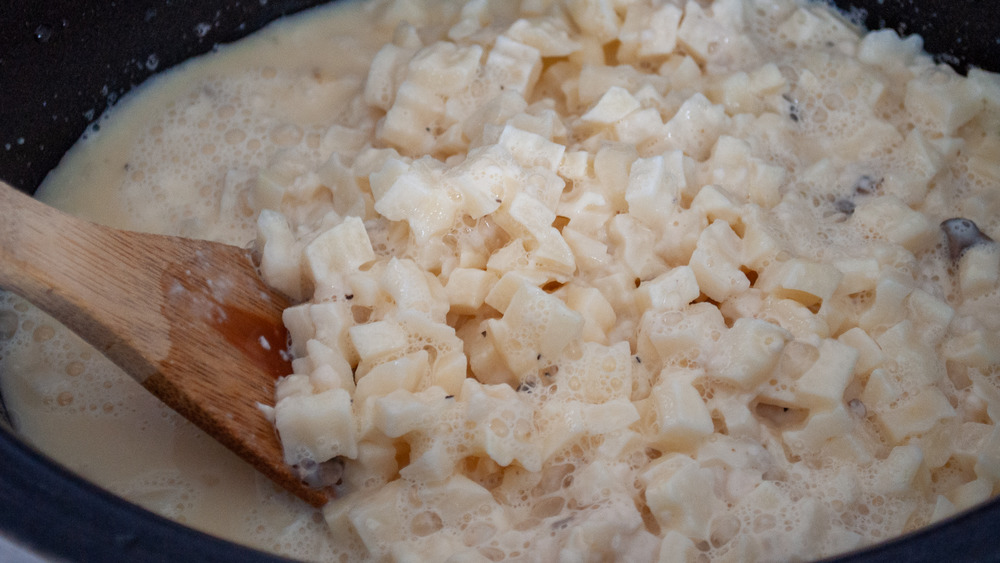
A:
[175,159]
[183,158]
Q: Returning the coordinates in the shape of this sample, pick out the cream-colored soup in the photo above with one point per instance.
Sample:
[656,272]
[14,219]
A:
[582,279]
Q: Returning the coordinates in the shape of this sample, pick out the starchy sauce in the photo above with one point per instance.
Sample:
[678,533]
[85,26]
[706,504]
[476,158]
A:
[577,279]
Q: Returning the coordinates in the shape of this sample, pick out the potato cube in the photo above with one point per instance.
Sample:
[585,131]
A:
[681,415]
[680,495]
[420,200]
[978,348]
[696,126]
[377,339]
[942,100]
[595,17]
[404,126]
[918,414]
[979,269]
[971,493]
[859,274]
[300,327]
[550,38]
[821,426]
[598,315]
[467,289]
[896,473]
[614,105]
[870,355]
[748,351]
[385,73]
[650,31]
[444,67]
[515,65]
[823,384]
[654,187]
[670,291]
[535,325]
[404,373]
[912,356]
[411,288]
[316,427]
[884,47]
[687,333]
[531,149]
[716,260]
[807,282]
[890,294]
[716,203]
[880,390]
[631,243]
[888,217]
[281,259]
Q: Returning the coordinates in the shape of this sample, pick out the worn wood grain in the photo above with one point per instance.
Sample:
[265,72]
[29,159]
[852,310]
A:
[190,320]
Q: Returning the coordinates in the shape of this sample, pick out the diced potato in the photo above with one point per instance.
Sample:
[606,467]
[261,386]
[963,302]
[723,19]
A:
[420,200]
[807,282]
[316,427]
[824,383]
[716,260]
[547,36]
[682,334]
[535,325]
[378,339]
[280,264]
[681,415]
[596,17]
[385,74]
[748,351]
[915,415]
[670,291]
[977,348]
[979,269]
[971,493]
[896,473]
[881,390]
[890,218]
[890,295]
[515,65]
[820,427]
[870,355]
[405,125]
[598,315]
[884,47]
[943,101]
[696,126]
[631,243]
[902,344]
[680,495]
[859,274]
[531,149]
[444,68]
[614,105]
[649,31]
[716,203]
[467,289]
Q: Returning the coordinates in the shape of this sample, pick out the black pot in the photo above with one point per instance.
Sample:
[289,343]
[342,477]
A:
[62,63]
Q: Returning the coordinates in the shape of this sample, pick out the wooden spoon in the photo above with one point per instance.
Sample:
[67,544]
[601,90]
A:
[190,320]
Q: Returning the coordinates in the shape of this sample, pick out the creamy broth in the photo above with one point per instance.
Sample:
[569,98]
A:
[742,233]
[161,162]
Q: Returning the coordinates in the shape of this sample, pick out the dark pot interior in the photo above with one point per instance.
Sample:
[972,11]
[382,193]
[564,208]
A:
[62,63]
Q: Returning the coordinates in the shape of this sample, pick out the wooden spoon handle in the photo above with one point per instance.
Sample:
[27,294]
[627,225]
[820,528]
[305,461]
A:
[190,320]
[73,270]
